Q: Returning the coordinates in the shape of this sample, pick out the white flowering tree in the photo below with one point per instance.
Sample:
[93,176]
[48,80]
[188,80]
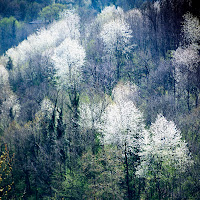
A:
[92,110]
[68,59]
[122,122]
[191,28]
[9,103]
[107,37]
[37,59]
[163,154]
[122,126]
[108,14]
[41,44]
[10,109]
[186,59]
[116,36]
[47,108]
[136,20]
[3,76]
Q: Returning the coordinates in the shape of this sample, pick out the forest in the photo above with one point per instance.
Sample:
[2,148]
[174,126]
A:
[99,99]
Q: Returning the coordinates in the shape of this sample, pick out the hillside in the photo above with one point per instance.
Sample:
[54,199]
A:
[99,99]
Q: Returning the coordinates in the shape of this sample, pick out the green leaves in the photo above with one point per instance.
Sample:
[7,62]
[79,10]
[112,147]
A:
[51,12]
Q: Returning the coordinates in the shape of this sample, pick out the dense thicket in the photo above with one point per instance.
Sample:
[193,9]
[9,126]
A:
[101,102]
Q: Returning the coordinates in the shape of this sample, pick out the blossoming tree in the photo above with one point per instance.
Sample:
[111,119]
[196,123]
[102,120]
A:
[163,155]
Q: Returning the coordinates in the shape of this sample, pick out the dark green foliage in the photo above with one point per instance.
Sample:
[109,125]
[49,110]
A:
[9,65]
[51,12]
[8,29]
[60,127]
[23,9]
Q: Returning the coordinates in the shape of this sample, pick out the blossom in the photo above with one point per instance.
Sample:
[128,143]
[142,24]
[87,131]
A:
[3,75]
[163,144]
[68,59]
[116,35]
[109,13]
[122,122]
[191,28]
[46,39]
[47,107]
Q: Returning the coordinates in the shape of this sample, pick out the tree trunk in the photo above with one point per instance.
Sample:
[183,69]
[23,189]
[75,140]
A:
[174,91]
[188,99]
[127,173]
[27,182]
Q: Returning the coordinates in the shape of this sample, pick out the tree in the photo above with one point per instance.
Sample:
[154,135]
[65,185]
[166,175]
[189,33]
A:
[122,121]
[91,108]
[163,155]
[51,12]
[191,32]
[101,67]
[108,14]
[191,28]
[10,110]
[68,58]
[105,173]
[3,76]
[159,91]
[152,15]
[8,31]
[116,37]
[10,107]
[122,126]
[186,59]
[135,19]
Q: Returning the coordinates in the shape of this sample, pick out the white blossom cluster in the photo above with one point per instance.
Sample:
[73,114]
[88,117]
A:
[191,28]
[90,115]
[68,59]
[47,107]
[116,36]
[46,39]
[9,108]
[186,57]
[162,144]
[108,14]
[122,122]
[3,76]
